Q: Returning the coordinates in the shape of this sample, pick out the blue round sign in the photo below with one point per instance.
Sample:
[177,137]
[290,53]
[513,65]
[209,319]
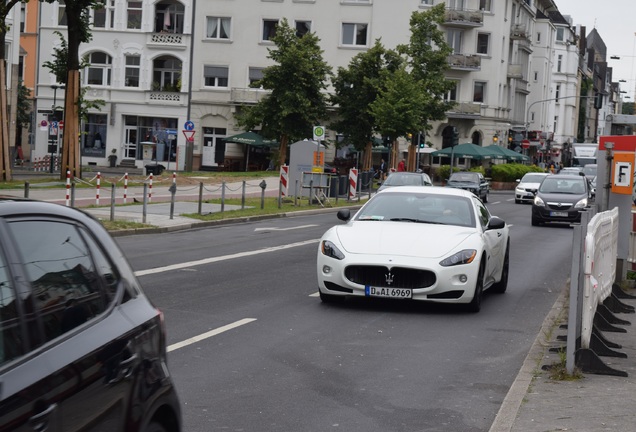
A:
[188,125]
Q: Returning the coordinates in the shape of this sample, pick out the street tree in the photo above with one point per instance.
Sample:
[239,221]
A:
[5,153]
[78,32]
[296,82]
[427,54]
[356,87]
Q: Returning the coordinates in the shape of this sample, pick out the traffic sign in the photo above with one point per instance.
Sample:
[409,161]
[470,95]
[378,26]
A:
[189,135]
[319,133]
[525,143]
[189,125]
[60,124]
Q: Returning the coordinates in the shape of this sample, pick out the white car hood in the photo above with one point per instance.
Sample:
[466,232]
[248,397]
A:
[402,238]
[528,185]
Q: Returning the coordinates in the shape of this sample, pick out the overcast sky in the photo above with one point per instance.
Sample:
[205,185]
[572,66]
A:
[615,21]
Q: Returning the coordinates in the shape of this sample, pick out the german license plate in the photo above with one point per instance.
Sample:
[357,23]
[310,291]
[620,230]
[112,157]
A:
[399,293]
[559,214]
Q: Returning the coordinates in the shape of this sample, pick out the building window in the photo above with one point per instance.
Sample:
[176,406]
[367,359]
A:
[255,74]
[269,29]
[479,91]
[557,92]
[560,34]
[302,28]
[166,74]
[483,41]
[454,40]
[62,19]
[99,69]
[218,28]
[354,34]
[538,37]
[426,2]
[215,76]
[536,76]
[94,136]
[559,62]
[22,17]
[456,4]
[169,18]
[133,68]
[451,95]
[135,9]
[104,17]
[485,5]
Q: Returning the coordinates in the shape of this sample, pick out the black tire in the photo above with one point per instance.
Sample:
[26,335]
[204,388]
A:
[330,298]
[475,304]
[517,201]
[535,222]
[486,198]
[155,427]
[501,286]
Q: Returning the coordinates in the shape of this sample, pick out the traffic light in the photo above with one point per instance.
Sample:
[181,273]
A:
[455,137]
[598,101]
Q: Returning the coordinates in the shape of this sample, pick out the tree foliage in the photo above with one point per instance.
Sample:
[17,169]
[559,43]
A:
[296,81]
[23,117]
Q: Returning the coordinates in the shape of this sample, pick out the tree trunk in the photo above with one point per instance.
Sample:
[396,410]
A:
[282,156]
[70,140]
[412,161]
[367,158]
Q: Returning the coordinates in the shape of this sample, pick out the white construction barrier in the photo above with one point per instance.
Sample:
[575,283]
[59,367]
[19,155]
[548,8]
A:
[353,182]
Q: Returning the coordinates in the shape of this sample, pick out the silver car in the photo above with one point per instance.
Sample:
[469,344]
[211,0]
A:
[527,186]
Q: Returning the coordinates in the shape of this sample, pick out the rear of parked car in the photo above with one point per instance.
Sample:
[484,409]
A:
[81,346]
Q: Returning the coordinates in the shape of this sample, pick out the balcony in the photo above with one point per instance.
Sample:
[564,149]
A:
[465,110]
[168,41]
[515,71]
[247,95]
[463,18]
[464,62]
[165,97]
[519,32]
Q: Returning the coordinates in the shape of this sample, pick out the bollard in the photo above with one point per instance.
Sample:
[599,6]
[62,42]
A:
[263,185]
[112,202]
[68,188]
[296,194]
[173,192]
[26,189]
[311,190]
[125,187]
[72,194]
[150,189]
[243,196]
[337,188]
[200,196]
[143,219]
[222,197]
[99,180]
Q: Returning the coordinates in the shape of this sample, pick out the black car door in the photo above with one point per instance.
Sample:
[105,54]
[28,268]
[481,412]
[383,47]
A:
[86,341]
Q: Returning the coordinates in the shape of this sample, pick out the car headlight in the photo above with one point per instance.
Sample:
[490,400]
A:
[329,249]
[581,204]
[462,257]
[538,202]
[519,190]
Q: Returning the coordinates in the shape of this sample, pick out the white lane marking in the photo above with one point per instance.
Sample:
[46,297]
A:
[495,202]
[222,258]
[209,334]
[284,229]
[316,294]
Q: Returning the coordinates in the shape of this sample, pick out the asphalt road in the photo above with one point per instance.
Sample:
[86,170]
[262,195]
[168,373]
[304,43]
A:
[252,348]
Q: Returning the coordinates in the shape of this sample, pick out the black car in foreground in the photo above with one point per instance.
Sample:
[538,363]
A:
[560,198]
[474,182]
[81,347]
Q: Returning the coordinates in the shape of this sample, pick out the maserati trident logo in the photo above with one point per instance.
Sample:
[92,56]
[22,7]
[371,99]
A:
[389,278]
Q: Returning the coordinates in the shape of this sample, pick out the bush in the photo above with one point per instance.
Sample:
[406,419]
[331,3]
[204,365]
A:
[510,172]
[443,172]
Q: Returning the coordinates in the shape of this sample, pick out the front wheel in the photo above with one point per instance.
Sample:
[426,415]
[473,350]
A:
[486,198]
[475,303]
[155,427]
[501,286]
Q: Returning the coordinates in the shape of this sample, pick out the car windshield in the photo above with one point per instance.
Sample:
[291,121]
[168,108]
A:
[532,178]
[574,186]
[590,170]
[464,177]
[419,208]
[400,179]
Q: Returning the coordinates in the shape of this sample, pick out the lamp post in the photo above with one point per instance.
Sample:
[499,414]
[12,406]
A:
[53,138]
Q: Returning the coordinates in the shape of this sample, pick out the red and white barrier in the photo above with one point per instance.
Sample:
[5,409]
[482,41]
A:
[284,180]
[353,182]
[99,181]
[150,189]
[68,188]
[125,187]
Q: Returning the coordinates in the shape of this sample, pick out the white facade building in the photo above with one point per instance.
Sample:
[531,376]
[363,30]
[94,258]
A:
[148,56]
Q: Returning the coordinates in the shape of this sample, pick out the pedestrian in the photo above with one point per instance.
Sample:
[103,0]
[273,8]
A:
[401,166]
[382,169]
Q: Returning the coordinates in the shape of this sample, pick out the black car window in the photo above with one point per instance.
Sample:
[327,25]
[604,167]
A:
[66,286]
[484,214]
[11,345]
[105,269]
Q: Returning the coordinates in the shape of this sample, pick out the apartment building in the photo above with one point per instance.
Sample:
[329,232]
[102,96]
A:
[158,64]
[12,67]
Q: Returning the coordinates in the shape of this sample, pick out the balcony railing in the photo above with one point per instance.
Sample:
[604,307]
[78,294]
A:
[466,62]
[464,18]
[165,97]
[519,32]
[464,110]
[515,71]
[246,95]
[175,41]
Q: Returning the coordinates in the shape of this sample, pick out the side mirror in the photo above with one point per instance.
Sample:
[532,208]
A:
[344,214]
[496,223]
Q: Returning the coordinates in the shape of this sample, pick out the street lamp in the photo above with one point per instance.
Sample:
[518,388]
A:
[53,137]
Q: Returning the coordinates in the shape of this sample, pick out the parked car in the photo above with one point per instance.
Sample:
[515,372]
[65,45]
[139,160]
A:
[432,243]
[81,346]
[474,182]
[571,171]
[402,178]
[560,198]
[590,171]
[593,187]
[527,186]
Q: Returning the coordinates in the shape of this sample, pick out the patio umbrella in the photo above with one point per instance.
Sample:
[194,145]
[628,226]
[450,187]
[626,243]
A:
[508,154]
[468,151]
[250,139]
